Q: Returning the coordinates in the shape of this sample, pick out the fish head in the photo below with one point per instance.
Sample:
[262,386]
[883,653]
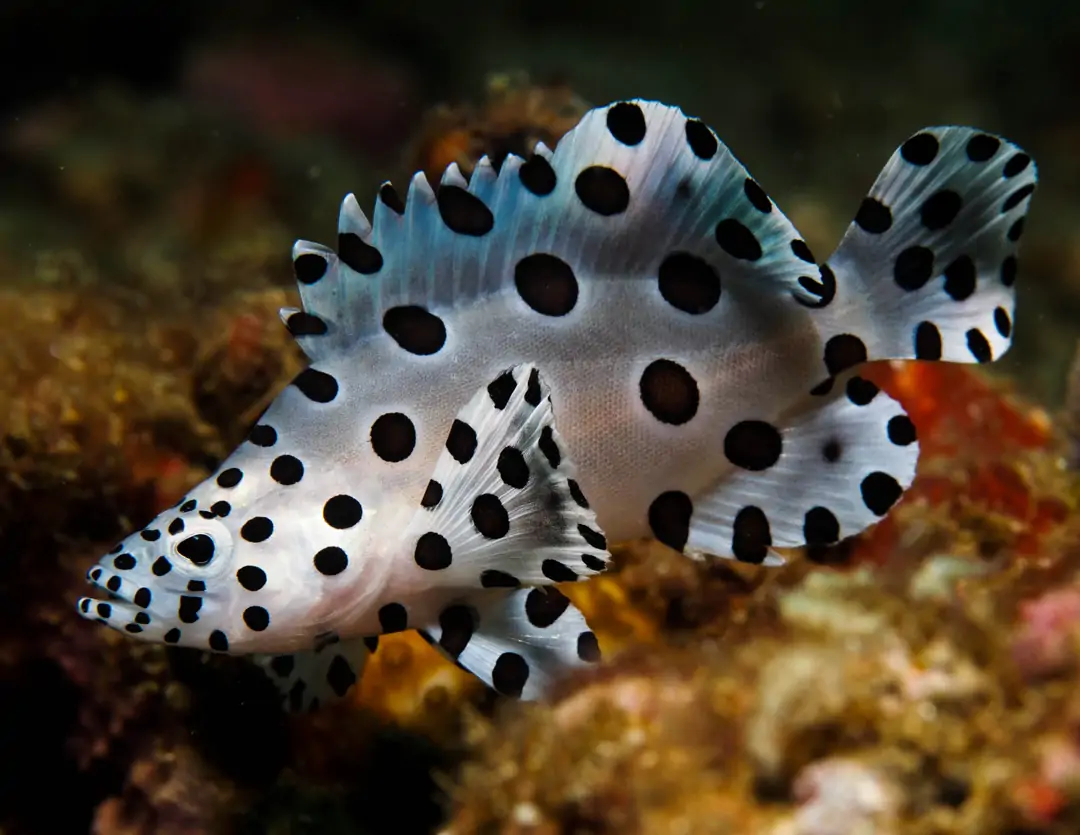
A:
[267,569]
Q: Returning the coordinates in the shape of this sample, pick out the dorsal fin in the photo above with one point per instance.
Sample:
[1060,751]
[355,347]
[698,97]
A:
[633,189]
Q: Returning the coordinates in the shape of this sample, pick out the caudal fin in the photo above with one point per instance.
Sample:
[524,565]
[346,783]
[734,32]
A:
[518,643]
[926,269]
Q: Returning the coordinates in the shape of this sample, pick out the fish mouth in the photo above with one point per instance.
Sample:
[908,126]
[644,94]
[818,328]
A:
[126,606]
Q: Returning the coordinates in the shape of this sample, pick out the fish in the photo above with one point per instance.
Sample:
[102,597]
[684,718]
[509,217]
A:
[622,337]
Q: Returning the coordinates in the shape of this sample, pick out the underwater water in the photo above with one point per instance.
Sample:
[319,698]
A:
[157,162]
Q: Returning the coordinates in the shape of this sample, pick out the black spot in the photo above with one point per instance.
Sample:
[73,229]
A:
[602,190]
[151,535]
[331,561]
[309,268]
[392,200]
[286,470]
[172,636]
[820,527]
[701,140]
[393,618]
[549,448]
[920,149]
[340,676]
[982,147]
[576,494]
[861,391]
[901,430]
[257,529]
[117,549]
[161,567]
[176,526]
[229,478]
[219,642]
[104,610]
[1002,322]
[669,518]
[188,506]
[433,552]
[751,536]
[880,491]
[393,437]
[206,514]
[1016,231]
[737,241]
[189,608]
[545,605]
[492,578]
[802,251]
[501,388]
[262,434]
[940,209]
[927,341]
[669,392]
[913,268]
[296,695]
[304,324]
[198,548]
[593,563]
[557,572]
[415,329]
[1014,199]
[251,577]
[114,584]
[461,442]
[532,390]
[126,562]
[588,648]
[432,495]
[753,445]
[342,512]
[490,517]
[844,351]
[626,123]
[464,213]
[357,255]
[512,467]
[282,665]
[873,216]
[456,625]
[979,347]
[757,196]
[596,539]
[689,283]
[317,386]
[142,598]
[960,278]
[196,585]
[682,189]
[824,288]
[95,574]
[142,618]
[133,628]
[1016,164]
[510,674]
[546,284]
[537,175]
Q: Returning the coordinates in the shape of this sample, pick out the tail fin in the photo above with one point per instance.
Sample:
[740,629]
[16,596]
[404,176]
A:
[518,642]
[926,269]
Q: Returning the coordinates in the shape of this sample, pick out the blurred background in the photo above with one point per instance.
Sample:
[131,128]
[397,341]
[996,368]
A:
[156,162]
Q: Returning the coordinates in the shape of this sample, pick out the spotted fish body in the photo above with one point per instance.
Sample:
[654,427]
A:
[623,337]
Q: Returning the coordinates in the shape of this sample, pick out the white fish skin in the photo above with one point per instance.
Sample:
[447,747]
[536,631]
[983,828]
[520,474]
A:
[698,371]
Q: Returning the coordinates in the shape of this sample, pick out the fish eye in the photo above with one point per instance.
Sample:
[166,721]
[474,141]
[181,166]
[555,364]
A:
[198,548]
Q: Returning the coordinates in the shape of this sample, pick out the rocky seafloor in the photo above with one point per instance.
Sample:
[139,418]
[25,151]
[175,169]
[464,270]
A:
[919,679]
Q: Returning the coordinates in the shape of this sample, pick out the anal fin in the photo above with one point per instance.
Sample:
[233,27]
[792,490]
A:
[833,467]
[319,676]
[519,642]
[502,508]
